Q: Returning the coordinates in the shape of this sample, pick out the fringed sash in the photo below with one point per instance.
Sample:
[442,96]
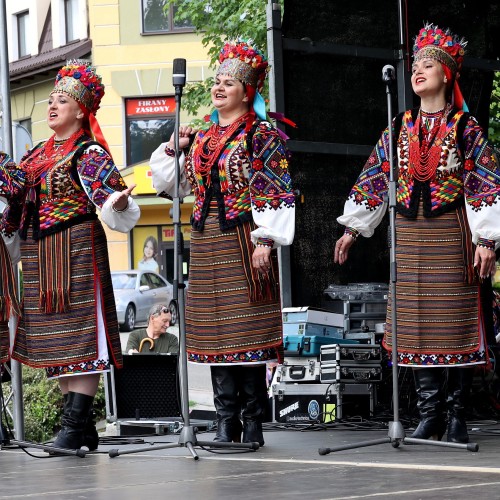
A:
[261,287]
[470,276]
[54,272]
[8,296]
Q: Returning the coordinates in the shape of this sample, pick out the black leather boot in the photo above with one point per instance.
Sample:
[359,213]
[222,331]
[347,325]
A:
[254,399]
[430,403]
[459,386]
[90,434]
[227,404]
[77,407]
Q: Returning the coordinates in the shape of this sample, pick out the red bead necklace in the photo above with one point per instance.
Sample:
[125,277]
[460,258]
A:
[425,155]
[213,142]
[48,155]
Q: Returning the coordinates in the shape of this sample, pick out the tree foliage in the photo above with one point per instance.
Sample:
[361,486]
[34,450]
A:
[494,126]
[217,21]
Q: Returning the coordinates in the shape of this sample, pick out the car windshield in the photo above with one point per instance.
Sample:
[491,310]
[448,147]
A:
[123,281]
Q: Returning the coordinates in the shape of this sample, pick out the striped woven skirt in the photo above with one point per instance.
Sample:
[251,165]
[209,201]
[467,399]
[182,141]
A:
[4,341]
[438,317]
[85,337]
[222,325]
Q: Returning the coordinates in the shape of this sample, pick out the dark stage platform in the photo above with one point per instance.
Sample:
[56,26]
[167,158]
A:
[288,466]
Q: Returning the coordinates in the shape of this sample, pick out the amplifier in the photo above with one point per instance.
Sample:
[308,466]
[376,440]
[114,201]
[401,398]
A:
[350,372]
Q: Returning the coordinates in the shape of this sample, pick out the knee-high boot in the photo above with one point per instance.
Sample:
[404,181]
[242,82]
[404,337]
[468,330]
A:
[227,404]
[90,434]
[459,386]
[254,399]
[77,407]
[430,403]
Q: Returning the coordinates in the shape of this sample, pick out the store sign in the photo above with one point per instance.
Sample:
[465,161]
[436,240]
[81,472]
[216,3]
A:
[151,106]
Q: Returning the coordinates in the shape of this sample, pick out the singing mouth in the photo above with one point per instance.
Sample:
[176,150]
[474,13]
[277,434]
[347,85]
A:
[420,80]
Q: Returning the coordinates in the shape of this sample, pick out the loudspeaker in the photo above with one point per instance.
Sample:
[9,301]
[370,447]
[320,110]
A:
[146,387]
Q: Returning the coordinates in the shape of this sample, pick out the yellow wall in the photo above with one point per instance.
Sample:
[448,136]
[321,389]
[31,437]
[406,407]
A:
[135,65]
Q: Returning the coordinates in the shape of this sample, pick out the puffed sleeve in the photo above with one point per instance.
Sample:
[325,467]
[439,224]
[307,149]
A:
[367,202]
[162,164]
[481,185]
[102,182]
[272,198]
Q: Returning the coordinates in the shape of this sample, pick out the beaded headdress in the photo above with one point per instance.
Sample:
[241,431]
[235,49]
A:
[244,62]
[440,45]
[79,80]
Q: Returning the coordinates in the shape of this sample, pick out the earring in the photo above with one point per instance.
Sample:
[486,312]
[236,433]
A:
[445,80]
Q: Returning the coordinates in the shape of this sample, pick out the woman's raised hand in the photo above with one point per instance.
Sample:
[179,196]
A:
[120,203]
[184,137]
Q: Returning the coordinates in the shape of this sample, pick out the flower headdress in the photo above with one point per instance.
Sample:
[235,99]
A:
[78,79]
[445,47]
[245,62]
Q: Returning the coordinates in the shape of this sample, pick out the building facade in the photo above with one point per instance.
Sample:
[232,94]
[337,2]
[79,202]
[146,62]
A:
[133,44]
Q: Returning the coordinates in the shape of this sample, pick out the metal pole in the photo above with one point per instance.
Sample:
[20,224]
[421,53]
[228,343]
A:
[277,103]
[17,387]
[405,93]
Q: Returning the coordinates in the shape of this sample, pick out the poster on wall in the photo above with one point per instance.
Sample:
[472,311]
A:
[145,251]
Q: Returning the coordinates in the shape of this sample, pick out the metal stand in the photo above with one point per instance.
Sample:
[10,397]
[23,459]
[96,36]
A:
[187,436]
[396,434]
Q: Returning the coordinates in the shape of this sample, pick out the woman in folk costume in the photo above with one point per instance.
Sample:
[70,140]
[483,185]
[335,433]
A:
[244,208]
[448,208]
[9,305]
[69,323]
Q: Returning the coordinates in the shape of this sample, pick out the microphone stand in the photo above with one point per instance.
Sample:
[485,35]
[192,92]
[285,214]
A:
[187,438]
[396,433]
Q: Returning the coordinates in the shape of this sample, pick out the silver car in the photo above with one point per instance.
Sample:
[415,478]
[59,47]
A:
[136,292]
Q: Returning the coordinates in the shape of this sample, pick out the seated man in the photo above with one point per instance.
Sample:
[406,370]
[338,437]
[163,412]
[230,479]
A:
[154,338]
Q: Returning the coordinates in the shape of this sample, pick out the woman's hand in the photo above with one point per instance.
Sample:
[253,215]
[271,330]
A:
[342,249]
[184,137]
[261,259]
[485,262]
[120,203]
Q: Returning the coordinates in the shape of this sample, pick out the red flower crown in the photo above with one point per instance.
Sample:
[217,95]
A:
[441,45]
[79,80]
[244,62]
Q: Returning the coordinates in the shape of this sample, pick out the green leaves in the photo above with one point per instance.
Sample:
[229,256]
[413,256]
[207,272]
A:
[217,21]
[494,125]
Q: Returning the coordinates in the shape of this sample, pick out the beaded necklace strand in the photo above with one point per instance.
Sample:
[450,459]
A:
[425,154]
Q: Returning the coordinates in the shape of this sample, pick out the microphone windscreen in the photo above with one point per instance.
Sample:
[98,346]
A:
[179,72]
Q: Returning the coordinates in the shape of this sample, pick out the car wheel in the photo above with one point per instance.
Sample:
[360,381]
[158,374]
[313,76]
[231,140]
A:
[129,323]
[174,312]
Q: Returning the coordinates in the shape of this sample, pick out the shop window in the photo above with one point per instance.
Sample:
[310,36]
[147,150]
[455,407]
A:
[156,18]
[150,121]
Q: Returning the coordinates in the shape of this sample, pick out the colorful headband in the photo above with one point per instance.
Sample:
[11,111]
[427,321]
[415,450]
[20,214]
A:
[443,46]
[79,80]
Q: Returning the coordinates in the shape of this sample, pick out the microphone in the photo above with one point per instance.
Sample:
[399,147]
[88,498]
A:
[179,75]
[388,73]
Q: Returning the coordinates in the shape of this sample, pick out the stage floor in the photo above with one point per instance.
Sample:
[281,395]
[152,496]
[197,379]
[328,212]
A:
[288,466]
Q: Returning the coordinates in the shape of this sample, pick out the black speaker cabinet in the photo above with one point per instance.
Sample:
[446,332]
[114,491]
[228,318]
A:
[146,387]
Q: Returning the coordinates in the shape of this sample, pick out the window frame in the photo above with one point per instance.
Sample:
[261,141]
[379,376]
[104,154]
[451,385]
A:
[72,11]
[26,16]
[171,26]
